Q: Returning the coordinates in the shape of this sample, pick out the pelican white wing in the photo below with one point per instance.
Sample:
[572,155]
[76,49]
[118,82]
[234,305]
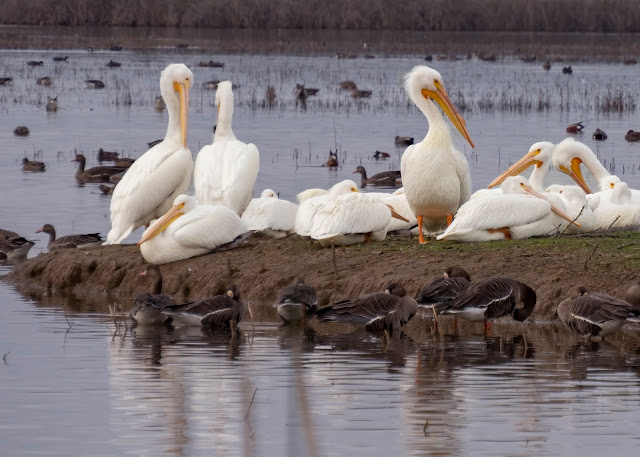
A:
[271,215]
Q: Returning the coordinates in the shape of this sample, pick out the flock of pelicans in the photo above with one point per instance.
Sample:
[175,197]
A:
[588,314]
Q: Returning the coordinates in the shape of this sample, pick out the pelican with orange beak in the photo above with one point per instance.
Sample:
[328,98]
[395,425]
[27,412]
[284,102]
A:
[151,184]
[189,229]
[519,213]
[435,175]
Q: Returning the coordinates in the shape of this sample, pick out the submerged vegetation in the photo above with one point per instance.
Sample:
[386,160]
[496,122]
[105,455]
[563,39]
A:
[603,16]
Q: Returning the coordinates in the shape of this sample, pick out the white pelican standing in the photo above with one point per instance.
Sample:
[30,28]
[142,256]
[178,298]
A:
[226,170]
[519,213]
[270,215]
[311,199]
[152,183]
[434,174]
[189,229]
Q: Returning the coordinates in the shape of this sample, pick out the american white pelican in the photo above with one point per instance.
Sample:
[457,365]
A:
[520,213]
[189,229]
[152,183]
[270,215]
[398,201]
[311,199]
[577,208]
[350,219]
[226,170]
[435,175]
[539,156]
[618,211]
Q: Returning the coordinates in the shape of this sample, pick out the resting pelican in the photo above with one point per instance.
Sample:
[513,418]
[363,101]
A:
[398,201]
[189,229]
[226,170]
[352,218]
[540,155]
[519,213]
[577,208]
[270,215]
[311,199]
[618,211]
[435,175]
[152,183]
[568,156]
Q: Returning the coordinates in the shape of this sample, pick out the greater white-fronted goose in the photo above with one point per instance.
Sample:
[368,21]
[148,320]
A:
[52,105]
[595,314]
[6,234]
[453,282]
[32,165]
[297,302]
[6,81]
[403,141]
[104,156]
[69,241]
[491,299]
[21,130]
[385,178]
[159,105]
[348,85]
[146,309]
[95,174]
[221,311]
[44,81]
[575,128]
[389,311]
[15,247]
[123,162]
[632,295]
[94,84]
[632,136]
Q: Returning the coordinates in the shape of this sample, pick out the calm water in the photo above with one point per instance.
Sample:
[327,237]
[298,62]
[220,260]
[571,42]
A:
[73,382]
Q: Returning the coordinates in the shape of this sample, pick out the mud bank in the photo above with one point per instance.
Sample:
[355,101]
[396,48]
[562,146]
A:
[260,267]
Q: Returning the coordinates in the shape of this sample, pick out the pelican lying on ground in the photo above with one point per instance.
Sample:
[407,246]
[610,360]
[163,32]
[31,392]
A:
[152,183]
[398,201]
[596,315]
[189,229]
[617,211]
[146,309]
[577,208]
[435,175]
[311,199]
[69,241]
[297,302]
[226,170]
[270,215]
[453,282]
[519,213]
[352,218]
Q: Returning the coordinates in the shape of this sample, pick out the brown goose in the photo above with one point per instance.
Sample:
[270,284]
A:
[32,165]
[6,234]
[360,93]
[123,162]
[389,311]
[104,156]
[210,64]
[632,136]
[454,281]
[491,299]
[106,190]
[146,307]
[21,130]
[596,315]
[15,248]
[220,311]
[159,104]
[52,105]
[633,295]
[69,241]
[348,85]
[95,174]
[297,302]
[385,178]
[44,81]
[403,141]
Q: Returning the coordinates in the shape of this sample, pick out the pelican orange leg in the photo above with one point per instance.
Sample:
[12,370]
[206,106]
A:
[420,235]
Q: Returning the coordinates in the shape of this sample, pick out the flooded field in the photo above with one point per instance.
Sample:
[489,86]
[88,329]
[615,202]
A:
[74,381]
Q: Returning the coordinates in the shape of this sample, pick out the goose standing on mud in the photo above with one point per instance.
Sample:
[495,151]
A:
[297,302]
[226,171]
[435,175]
[152,183]
[270,215]
[189,229]
[146,309]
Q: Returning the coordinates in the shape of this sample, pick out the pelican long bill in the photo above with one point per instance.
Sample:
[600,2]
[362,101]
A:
[442,98]
[162,223]
[576,174]
[518,167]
[554,208]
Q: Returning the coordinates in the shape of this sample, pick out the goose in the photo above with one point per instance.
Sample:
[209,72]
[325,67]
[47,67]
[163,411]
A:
[385,178]
[94,174]
[32,165]
[146,309]
[297,302]
[453,282]
[69,241]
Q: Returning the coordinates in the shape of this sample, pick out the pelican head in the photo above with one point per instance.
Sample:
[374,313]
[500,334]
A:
[224,102]
[175,82]
[268,193]
[568,156]
[609,182]
[621,194]
[181,205]
[343,187]
[573,193]
[540,154]
[423,82]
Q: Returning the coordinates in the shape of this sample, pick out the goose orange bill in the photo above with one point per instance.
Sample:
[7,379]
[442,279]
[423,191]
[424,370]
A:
[161,224]
[576,174]
[518,167]
[441,98]
[554,208]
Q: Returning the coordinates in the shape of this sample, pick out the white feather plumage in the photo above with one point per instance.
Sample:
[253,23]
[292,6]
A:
[270,215]
[309,205]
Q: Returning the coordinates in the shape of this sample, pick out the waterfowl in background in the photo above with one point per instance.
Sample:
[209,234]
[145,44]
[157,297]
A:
[94,84]
[297,302]
[575,128]
[104,156]
[52,105]
[546,66]
[146,309]
[226,170]
[44,81]
[113,64]
[453,282]
[15,247]
[6,81]
[491,299]
[210,64]
[632,136]
[385,178]
[32,165]
[595,314]
[599,135]
[332,161]
[35,63]
[69,241]
[94,174]
[389,311]
[21,130]
[404,140]
[302,92]
[435,175]
[381,155]
[124,162]
[106,190]
[348,85]
[567,70]
[159,104]
[60,58]
[149,187]
[270,215]
[189,229]
[220,311]
[360,93]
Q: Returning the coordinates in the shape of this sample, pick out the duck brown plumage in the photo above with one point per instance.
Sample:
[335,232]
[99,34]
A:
[453,282]
[632,136]
[297,302]
[94,174]
[69,241]
[385,178]
[403,141]
[32,165]
[104,156]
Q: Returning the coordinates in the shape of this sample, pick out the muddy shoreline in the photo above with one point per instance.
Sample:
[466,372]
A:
[260,267]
